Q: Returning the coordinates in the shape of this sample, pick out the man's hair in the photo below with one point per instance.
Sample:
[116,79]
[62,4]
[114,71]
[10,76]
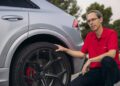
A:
[98,13]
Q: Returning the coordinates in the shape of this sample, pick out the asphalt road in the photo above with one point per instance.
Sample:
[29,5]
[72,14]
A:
[75,75]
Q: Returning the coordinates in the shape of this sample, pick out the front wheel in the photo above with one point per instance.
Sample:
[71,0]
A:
[39,65]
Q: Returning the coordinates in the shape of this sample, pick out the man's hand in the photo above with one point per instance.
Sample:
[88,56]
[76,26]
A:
[86,67]
[60,48]
[71,52]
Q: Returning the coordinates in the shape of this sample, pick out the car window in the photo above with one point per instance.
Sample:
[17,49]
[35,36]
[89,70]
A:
[19,3]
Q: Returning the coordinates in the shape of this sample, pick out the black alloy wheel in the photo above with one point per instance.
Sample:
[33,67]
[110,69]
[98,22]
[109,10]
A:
[39,65]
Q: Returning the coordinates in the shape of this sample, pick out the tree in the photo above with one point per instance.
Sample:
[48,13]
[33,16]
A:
[116,26]
[70,6]
[107,13]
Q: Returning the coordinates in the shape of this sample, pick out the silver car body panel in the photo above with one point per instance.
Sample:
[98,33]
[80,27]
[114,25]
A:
[11,30]
[18,24]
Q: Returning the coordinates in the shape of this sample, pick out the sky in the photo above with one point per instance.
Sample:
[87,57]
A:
[114,4]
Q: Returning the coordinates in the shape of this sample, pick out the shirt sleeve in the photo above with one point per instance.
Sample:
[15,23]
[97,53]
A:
[84,48]
[113,41]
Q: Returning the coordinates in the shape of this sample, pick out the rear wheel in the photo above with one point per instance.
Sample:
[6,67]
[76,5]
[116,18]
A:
[39,65]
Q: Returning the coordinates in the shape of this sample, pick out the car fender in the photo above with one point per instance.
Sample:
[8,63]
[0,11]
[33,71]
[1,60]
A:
[13,48]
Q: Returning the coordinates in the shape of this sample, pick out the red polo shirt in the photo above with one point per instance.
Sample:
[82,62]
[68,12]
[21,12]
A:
[96,46]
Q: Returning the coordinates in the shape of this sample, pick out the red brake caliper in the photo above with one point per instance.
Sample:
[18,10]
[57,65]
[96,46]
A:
[30,72]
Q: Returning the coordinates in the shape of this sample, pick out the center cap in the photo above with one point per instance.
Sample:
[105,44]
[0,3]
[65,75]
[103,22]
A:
[42,73]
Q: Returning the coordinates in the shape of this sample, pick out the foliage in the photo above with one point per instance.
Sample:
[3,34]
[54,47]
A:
[70,6]
[116,26]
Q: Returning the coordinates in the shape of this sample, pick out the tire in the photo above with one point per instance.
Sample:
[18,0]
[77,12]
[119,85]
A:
[39,65]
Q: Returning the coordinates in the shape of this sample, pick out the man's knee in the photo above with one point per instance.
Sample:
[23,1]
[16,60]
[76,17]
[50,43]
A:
[107,59]
[108,62]
[110,68]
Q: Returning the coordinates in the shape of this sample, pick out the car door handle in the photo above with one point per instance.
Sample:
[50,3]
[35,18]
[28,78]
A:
[12,17]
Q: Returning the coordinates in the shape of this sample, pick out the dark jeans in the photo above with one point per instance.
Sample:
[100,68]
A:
[107,75]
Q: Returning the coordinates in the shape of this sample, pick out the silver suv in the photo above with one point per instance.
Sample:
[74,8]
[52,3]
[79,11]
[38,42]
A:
[29,30]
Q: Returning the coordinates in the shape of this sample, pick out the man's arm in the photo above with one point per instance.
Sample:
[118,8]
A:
[110,53]
[73,53]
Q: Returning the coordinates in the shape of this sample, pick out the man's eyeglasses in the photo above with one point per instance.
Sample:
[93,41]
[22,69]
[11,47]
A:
[93,19]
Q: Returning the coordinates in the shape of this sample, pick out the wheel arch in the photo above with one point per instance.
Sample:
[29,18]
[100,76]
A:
[40,38]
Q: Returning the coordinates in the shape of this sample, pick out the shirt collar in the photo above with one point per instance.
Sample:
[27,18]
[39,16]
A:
[102,35]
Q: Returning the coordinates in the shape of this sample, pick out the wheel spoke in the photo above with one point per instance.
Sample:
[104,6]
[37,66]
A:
[50,76]
[61,73]
[50,62]
[44,82]
[51,83]
[55,77]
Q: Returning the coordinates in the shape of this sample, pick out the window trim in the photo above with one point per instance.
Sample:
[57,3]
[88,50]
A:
[31,4]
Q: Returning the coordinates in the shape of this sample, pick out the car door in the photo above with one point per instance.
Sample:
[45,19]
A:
[13,24]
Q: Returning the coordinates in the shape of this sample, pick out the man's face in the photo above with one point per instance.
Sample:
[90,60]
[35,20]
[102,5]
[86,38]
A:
[93,21]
